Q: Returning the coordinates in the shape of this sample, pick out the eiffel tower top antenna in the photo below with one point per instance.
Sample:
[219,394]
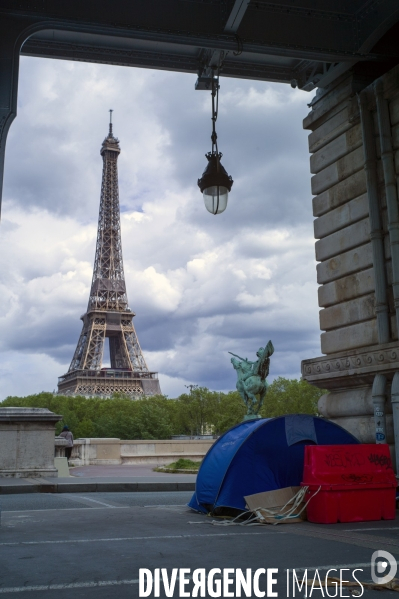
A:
[110,121]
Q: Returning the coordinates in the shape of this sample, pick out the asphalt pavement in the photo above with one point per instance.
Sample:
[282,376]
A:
[93,546]
[138,472]
[55,501]
[89,479]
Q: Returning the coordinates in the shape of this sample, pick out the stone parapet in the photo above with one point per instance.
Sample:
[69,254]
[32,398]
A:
[60,444]
[114,451]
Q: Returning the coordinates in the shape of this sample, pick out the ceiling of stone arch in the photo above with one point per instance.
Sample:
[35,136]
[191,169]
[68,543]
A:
[307,43]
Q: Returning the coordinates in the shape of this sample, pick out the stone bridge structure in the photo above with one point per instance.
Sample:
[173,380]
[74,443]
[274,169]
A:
[348,53]
[354,145]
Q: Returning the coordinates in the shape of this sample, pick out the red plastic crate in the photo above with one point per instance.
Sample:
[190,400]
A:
[354,483]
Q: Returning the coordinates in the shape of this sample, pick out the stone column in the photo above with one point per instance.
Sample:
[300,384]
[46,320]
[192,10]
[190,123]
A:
[353,252]
[27,442]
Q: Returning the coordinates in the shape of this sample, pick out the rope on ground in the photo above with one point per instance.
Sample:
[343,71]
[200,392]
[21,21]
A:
[258,517]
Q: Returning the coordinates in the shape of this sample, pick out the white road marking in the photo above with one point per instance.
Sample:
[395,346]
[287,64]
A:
[374,528]
[61,509]
[66,509]
[167,505]
[73,585]
[77,497]
[108,540]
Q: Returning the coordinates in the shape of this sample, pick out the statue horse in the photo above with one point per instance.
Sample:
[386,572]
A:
[249,386]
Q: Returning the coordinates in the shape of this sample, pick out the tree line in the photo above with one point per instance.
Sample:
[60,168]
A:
[198,412]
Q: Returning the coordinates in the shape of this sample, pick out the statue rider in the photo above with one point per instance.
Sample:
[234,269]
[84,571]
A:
[251,368]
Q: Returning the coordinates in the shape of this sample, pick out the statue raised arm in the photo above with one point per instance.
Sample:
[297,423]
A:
[242,359]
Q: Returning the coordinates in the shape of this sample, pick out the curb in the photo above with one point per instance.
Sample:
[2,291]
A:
[102,487]
[172,471]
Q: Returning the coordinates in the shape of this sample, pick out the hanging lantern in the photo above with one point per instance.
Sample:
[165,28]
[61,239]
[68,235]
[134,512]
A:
[215,184]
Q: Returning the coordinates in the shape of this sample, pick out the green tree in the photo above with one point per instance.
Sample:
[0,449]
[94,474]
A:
[230,411]
[290,396]
[153,421]
[196,411]
[158,417]
[120,417]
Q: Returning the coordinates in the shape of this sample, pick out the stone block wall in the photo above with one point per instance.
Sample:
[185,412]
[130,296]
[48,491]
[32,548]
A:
[342,228]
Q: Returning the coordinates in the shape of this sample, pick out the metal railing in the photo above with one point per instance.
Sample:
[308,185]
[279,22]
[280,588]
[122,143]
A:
[107,373]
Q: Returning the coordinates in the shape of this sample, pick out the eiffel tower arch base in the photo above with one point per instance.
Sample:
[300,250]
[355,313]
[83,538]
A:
[107,382]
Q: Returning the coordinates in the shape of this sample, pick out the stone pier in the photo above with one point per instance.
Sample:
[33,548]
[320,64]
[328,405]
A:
[27,442]
[354,145]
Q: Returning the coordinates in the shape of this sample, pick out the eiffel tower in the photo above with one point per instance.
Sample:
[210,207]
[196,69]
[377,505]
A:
[108,315]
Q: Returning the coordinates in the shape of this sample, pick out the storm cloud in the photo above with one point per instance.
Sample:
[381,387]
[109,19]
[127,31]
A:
[200,285]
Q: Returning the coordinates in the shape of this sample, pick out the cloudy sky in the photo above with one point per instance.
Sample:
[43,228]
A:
[200,285]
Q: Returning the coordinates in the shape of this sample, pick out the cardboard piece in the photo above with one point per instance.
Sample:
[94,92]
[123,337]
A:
[275,502]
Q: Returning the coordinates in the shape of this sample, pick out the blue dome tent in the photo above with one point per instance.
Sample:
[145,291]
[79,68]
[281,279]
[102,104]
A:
[260,455]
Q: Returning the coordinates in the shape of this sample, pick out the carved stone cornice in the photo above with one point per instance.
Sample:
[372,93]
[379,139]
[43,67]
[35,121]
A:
[352,368]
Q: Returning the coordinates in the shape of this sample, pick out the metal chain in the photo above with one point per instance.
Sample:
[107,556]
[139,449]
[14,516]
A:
[215,108]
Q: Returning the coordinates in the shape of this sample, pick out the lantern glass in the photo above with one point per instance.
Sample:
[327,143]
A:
[215,198]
